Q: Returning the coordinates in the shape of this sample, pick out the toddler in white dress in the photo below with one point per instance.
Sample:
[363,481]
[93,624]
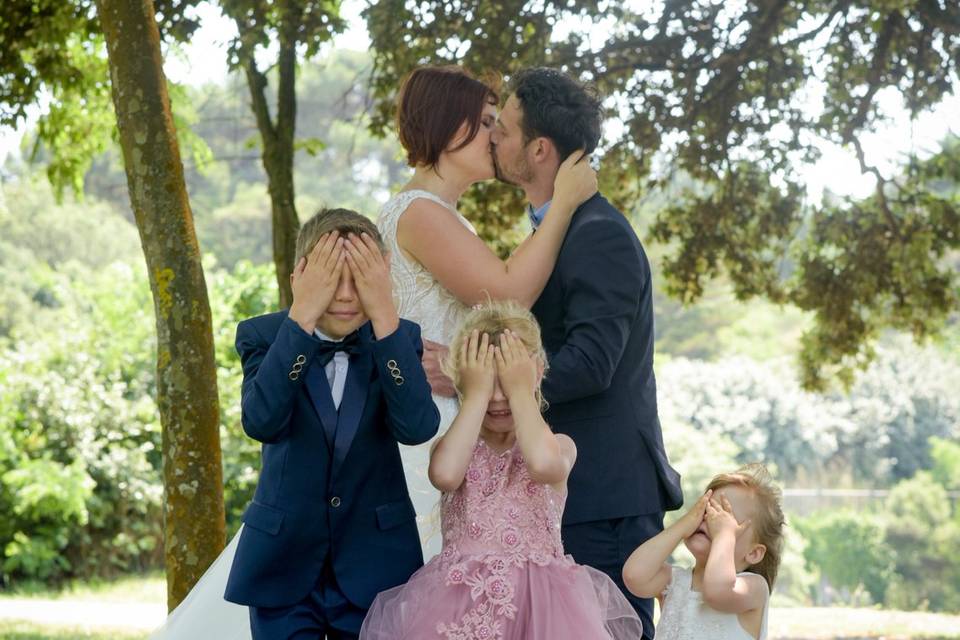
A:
[735,533]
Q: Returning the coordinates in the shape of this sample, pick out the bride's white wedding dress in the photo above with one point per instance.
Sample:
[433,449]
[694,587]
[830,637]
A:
[421,299]
[204,614]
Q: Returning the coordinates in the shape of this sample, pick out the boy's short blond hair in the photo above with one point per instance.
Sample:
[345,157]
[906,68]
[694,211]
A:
[328,220]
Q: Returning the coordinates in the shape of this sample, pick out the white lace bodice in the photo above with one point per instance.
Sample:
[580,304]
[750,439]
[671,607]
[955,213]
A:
[686,617]
[417,294]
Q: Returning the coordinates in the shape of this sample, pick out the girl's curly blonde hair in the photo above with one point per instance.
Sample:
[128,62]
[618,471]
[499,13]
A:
[492,317]
[768,521]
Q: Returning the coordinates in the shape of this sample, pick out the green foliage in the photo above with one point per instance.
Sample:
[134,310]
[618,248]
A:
[77,407]
[697,458]
[719,326]
[79,431]
[262,23]
[80,489]
[903,554]
[878,433]
[54,57]
[796,580]
[925,540]
[719,93]
[53,234]
[881,263]
[849,549]
[245,292]
[946,462]
[34,34]
[230,199]
[79,123]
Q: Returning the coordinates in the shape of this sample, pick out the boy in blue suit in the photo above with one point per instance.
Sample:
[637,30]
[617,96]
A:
[330,387]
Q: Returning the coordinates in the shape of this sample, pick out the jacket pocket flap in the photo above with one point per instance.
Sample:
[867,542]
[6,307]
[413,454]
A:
[266,519]
[393,514]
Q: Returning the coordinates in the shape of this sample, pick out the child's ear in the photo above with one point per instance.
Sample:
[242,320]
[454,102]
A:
[756,554]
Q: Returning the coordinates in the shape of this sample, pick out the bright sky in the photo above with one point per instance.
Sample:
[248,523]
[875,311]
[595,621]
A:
[203,60]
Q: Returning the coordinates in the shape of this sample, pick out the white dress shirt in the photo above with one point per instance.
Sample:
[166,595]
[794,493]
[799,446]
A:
[336,370]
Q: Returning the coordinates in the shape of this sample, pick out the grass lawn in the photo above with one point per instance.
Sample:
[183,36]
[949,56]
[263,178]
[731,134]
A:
[14,630]
[149,588]
[125,595]
[813,623]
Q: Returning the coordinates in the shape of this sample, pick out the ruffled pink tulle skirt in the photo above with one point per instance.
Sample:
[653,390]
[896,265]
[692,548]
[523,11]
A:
[558,600]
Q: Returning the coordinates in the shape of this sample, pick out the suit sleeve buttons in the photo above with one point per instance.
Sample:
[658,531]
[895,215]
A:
[395,372]
[297,367]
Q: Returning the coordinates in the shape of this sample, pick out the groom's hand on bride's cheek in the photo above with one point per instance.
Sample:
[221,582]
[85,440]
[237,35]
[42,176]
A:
[371,277]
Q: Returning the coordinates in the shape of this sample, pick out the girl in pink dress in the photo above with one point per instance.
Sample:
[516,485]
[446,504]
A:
[502,573]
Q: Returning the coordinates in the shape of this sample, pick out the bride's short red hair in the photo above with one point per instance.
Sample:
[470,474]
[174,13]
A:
[433,103]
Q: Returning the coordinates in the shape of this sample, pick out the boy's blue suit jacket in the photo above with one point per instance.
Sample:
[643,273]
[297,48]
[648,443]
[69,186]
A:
[331,487]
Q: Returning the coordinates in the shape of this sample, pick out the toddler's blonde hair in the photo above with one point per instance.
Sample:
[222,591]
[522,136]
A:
[492,317]
[768,521]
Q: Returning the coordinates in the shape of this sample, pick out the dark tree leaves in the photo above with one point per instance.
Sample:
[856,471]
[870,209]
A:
[724,95]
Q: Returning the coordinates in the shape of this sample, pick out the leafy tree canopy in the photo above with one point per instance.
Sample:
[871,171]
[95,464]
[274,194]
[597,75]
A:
[52,55]
[738,95]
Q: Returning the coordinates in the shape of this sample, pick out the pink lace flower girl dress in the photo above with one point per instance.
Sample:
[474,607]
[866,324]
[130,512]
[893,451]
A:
[502,574]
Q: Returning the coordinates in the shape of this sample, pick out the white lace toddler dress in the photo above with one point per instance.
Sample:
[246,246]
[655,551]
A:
[686,616]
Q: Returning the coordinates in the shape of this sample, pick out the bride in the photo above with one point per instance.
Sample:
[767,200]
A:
[439,267]
[438,264]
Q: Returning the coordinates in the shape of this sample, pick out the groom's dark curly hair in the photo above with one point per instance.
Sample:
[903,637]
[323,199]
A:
[558,107]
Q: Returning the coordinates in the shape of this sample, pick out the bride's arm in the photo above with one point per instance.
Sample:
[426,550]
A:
[466,267]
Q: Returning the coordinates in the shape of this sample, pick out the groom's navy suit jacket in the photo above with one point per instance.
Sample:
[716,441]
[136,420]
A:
[596,317]
[332,488]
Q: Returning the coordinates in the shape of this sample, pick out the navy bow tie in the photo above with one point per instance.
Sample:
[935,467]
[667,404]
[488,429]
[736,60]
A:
[350,345]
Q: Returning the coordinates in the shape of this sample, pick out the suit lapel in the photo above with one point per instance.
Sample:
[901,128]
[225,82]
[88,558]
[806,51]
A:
[322,399]
[351,406]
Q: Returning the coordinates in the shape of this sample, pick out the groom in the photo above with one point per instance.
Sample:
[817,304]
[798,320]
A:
[596,314]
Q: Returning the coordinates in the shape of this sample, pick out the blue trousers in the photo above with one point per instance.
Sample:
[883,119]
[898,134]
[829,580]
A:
[324,613]
[605,545]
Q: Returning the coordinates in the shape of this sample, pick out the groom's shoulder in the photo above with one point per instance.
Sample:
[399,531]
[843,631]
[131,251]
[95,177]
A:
[600,215]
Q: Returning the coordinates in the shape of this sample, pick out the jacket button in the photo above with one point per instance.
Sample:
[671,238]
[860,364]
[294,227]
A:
[334,502]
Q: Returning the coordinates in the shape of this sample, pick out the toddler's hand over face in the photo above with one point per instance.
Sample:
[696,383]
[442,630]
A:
[720,518]
[690,521]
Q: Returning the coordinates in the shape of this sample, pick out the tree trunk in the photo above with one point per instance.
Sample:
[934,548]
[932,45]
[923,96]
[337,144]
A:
[194,527]
[278,152]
